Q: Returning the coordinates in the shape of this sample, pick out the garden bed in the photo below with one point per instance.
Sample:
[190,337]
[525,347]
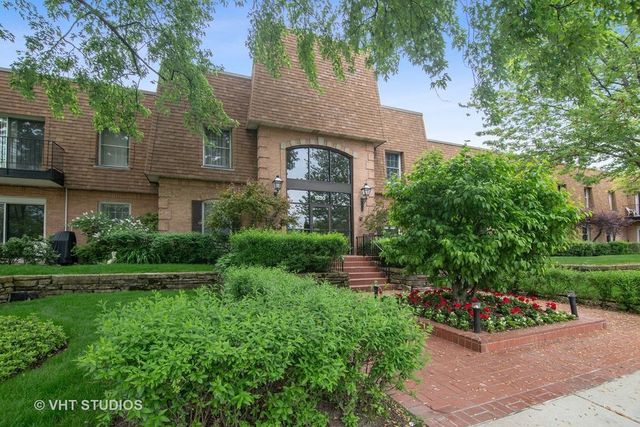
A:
[499,312]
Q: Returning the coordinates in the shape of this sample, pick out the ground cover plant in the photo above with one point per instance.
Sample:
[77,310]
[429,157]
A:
[499,312]
[26,341]
[31,269]
[59,376]
[271,349]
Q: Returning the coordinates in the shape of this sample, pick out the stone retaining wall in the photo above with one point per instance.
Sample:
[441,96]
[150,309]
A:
[43,285]
[597,267]
[399,277]
[339,279]
[38,286]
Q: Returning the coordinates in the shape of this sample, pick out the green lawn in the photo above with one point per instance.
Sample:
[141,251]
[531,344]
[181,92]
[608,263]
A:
[9,270]
[599,260]
[59,377]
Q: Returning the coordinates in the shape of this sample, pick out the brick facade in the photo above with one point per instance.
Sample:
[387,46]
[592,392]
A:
[166,174]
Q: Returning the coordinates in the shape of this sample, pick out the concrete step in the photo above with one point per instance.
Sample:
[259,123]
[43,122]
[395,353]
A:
[366,282]
[358,264]
[370,269]
[373,275]
[357,257]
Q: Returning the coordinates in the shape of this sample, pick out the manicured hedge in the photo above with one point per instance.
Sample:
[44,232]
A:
[273,349]
[25,342]
[296,252]
[621,287]
[136,247]
[600,248]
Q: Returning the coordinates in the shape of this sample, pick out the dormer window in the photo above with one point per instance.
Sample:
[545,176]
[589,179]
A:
[217,149]
[113,150]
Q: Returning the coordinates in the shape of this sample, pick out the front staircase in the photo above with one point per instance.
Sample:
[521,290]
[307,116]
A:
[363,273]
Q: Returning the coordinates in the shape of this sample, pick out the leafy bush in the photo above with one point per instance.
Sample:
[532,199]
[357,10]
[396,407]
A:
[270,350]
[96,224]
[619,286]
[582,248]
[135,247]
[296,252]
[25,342]
[29,250]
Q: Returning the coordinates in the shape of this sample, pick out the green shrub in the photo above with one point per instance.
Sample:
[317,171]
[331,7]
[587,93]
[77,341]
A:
[295,251]
[272,349]
[30,250]
[96,225]
[135,247]
[599,248]
[25,342]
[618,286]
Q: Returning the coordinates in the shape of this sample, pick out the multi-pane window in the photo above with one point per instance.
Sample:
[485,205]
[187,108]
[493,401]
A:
[318,164]
[115,210]
[21,144]
[18,218]
[393,162]
[319,211]
[588,198]
[113,149]
[217,149]
[612,200]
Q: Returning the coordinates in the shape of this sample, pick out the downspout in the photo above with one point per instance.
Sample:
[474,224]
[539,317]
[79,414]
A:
[66,210]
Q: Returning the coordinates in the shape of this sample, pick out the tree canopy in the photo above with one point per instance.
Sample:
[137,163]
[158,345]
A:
[467,221]
[560,79]
[105,48]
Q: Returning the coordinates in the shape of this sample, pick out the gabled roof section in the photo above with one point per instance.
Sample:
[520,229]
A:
[349,108]
[403,128]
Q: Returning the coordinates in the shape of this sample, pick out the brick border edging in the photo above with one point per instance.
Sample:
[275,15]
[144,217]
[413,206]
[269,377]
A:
[486,342]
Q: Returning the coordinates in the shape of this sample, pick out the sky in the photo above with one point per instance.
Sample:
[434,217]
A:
[409,89]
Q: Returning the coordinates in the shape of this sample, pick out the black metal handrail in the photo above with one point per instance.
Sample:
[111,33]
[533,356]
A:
[31,154]
[337,264]
[367,245]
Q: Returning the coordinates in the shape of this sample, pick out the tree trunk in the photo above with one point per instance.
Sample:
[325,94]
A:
[459,292]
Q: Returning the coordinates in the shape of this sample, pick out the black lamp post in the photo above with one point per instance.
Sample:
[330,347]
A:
[365,191]
[376,290]
[277,185]
[572,303]
[477,327]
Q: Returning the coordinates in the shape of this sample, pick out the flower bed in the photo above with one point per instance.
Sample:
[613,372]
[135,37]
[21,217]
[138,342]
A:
[500,312]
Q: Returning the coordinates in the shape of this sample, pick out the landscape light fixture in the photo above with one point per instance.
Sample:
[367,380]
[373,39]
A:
[572,303]
[365,191]
[277,185]
[477,327]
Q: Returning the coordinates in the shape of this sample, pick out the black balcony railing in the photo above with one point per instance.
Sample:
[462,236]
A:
[31,158]
[632,211]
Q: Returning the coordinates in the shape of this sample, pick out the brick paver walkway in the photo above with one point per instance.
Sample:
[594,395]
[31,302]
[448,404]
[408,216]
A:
[460,387]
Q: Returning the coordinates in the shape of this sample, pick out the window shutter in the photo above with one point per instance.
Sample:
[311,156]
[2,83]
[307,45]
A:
[196,216]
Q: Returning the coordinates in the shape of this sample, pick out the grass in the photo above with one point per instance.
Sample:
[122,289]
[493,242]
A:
[59,377]
[10,270]
[599,260]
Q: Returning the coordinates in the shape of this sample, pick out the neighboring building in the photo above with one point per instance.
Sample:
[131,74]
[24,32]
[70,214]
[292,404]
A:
[325,146]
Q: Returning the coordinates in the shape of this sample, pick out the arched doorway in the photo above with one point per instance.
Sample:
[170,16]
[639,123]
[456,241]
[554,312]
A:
[319,188]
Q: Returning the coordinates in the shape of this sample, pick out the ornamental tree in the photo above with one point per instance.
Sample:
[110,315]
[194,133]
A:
[467,220]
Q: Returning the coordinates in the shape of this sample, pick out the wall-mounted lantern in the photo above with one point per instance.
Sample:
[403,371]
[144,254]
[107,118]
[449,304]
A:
[365,192]
[277,185]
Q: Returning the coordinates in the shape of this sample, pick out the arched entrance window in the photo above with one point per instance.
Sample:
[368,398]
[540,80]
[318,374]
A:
[319,189]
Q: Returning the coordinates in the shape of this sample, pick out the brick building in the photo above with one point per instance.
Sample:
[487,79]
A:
[324,146]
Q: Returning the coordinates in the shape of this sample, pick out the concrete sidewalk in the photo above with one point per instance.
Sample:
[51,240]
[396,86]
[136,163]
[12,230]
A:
[615,403]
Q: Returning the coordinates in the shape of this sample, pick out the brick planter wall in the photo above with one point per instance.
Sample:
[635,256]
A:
[38,286]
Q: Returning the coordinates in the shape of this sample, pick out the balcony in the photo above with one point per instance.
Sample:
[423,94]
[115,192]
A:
[632,212]
[31,162]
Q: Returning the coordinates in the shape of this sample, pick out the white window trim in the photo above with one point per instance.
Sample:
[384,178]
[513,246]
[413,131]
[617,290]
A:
[21,201]
[204,156]
[114,203]
[100,153]
[386,167]
[587,197]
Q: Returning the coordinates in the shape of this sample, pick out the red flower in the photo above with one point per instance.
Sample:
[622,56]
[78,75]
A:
[484,316]
[553,305]
[521,298]
[457,305]
[506,300]
[470,312]
[536,306]
[474,299]
[487,309]
[515,310]
[467,306]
